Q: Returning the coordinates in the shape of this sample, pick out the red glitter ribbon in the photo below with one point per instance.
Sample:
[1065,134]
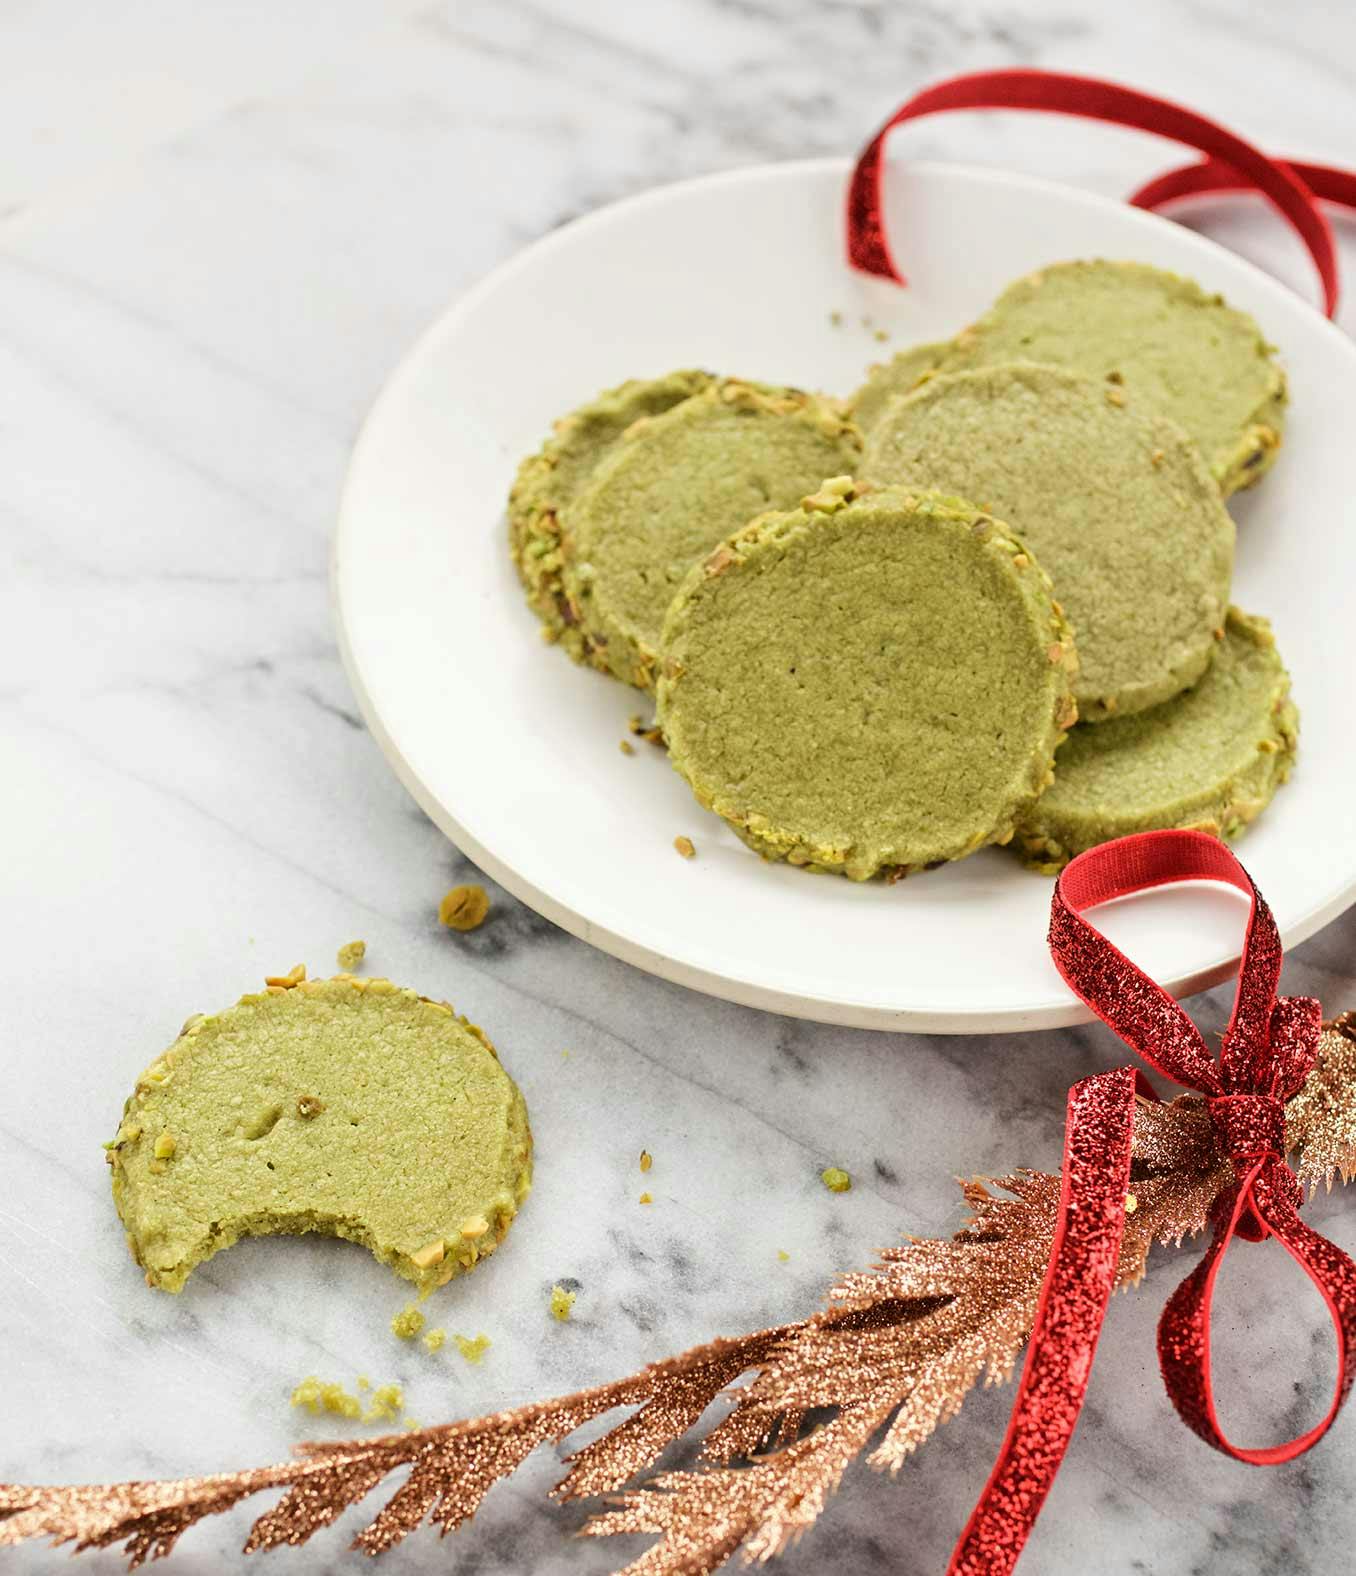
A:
[1267,1052]
[1093,99]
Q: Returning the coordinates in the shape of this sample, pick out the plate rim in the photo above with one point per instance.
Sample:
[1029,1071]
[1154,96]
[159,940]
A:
[803,1004]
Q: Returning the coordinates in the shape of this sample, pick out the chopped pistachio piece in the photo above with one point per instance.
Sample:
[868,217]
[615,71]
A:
[294,976]
[562,1302]
[836,1180]
[464,908]
[428,1256]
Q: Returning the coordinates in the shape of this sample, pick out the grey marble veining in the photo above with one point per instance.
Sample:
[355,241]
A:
[214,242]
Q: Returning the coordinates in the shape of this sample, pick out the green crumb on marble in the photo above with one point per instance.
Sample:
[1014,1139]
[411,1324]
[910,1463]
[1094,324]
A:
[407,1323]
[386,1405]
[836,1180]
[472,1350]
[435,1339]
[783,1256]
[316,1396]
[562,1302]
[351,954]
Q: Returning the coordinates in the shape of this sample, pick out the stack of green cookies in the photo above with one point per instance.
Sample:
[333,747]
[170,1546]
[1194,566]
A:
[871,630]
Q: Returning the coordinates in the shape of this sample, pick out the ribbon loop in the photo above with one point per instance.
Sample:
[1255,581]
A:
[1267,1051]
[1229,159]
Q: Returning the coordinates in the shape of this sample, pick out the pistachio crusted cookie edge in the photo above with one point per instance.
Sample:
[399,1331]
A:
[1227,812]
[772,529]
[428,1267]
[538,532]
[631,659]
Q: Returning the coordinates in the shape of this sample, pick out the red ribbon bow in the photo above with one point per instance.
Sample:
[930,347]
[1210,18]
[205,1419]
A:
[1268,1050]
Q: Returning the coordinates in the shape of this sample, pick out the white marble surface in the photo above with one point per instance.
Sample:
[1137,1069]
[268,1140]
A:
[219,226]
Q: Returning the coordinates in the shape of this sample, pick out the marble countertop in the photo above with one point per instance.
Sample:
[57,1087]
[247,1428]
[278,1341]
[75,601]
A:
[219,228]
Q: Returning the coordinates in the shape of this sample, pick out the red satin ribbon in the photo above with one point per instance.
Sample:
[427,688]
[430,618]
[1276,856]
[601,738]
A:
[1267,1052]
[1093,99]
[1210,175]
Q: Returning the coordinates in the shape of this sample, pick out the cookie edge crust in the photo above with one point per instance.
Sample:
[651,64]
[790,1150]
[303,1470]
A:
[1166,435]
[538,536]
[768,533]
[624,654]
[1233,468]
[1224,811]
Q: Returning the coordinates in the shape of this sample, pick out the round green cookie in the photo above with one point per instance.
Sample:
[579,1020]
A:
[869,684]
[1210,759]
[900,375]
[1171,345]
[675,486]
[548,481]
[343,1106]
[1114,502]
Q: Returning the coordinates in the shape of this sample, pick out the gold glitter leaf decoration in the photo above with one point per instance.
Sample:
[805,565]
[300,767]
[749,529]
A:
[894,1353]
[1320,1122]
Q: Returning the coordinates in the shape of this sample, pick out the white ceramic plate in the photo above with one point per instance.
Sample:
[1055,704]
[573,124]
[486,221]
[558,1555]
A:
[514,751]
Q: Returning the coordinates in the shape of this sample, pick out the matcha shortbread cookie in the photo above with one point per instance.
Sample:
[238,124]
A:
[675,486]
[1115,502]
[548,481]
[869,684]
[1211,759]
[1171,345]
[343,1106]
[900,375]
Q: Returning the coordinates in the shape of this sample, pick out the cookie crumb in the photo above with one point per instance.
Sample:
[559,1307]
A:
[783,1256]
[464,908]
[836,319]
[647,1198]
[836,1180]
[317,1396]
[435,1340]
[562,1302]
[686,847]
[472,1350]
[646,1160]
[649,731]
[388,1402]
[407,1323]
[881,334]
[350,955]
[626,747]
